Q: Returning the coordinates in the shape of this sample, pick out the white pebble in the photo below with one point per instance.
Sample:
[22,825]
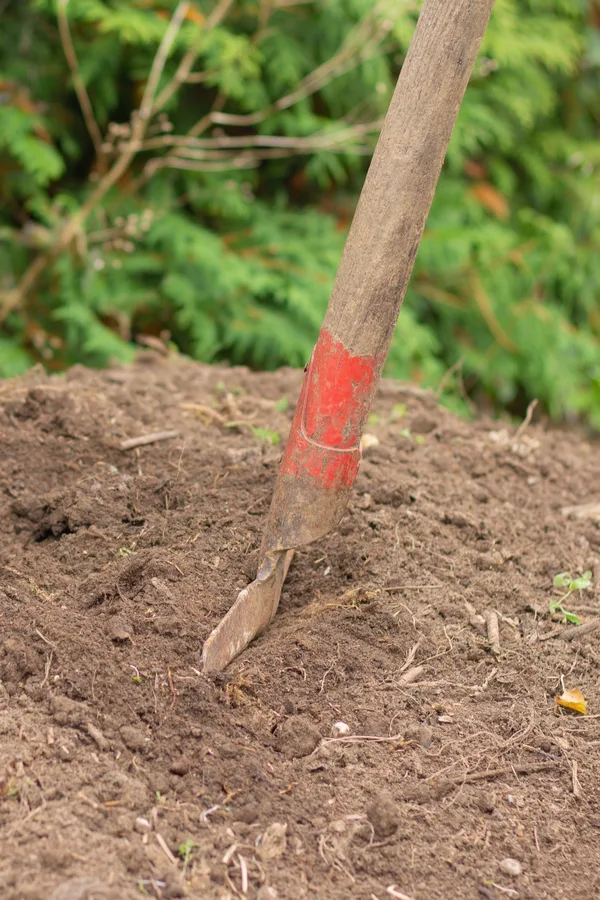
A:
[142,826]
[511,867]
[369,440]
[340,729]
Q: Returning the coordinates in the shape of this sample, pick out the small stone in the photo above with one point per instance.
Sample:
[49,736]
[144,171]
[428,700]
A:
[133,738]
[181,766]
[340,729]
[368,441]
[425,736]
[142,826]
[510,867]
[486,803]
[383,815]
[118,630]
[64,753]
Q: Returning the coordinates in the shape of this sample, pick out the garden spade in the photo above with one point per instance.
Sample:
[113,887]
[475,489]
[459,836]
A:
[322,454]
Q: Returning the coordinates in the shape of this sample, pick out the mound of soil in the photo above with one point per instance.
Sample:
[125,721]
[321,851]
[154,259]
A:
[125,772]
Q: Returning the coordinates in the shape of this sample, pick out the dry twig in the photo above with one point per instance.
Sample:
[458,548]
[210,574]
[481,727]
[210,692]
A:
[145,439]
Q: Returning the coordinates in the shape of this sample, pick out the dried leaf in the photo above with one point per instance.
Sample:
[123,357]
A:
[492,199]
[574,700]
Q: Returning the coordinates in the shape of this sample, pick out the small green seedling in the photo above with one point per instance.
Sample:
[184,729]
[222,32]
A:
[566,580]
[282,404]
[374,419]
[124,552]
[266,434]
[399,411]
[185,851]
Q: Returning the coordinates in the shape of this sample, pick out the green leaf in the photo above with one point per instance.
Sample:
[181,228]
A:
[563,579]
[582,583]
[267,435]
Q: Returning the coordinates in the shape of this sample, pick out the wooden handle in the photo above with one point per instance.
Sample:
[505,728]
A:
[388,224]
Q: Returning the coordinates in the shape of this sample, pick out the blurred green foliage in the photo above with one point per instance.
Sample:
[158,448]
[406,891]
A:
[223,221]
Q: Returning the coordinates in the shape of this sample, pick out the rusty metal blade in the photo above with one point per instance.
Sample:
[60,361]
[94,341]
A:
[250,614]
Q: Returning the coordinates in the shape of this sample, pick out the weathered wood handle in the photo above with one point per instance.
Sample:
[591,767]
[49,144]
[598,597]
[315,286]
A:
[388,224]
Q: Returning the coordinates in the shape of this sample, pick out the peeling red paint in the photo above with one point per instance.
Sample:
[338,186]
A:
[324,441]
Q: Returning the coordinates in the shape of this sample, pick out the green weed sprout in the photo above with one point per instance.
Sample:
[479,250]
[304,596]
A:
[185,851]
[566,580]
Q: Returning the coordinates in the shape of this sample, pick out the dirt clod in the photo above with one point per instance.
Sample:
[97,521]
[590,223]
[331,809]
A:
[181,765]
[384,815]
[298,736]
[510,867]
[133,738]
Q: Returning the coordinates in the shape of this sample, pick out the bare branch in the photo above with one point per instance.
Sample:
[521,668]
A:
[361,44]
[78,85]
[185,67]
[158,64]
[318,140]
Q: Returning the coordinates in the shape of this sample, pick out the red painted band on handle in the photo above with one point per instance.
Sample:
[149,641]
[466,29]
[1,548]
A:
[324,441]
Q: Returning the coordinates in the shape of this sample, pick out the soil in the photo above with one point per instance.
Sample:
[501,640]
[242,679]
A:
[125,772]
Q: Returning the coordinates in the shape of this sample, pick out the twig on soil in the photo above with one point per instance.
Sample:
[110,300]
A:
[410,657]
[577,631]
[397,894]
[491,617]
[47,669]
[205,411]
[144,439]
[411,675]
[357,738]
[244,873]
[172,689]
[165,848]
[448,784]
[336,864]
[208,812]
[330,669]
[582,511]
[576,784]
[45,639]
[504,890]
[523,426]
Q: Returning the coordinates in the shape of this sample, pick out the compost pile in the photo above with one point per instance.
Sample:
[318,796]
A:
[125,772]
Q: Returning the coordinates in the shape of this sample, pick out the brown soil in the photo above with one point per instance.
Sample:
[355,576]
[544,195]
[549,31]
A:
[115,750]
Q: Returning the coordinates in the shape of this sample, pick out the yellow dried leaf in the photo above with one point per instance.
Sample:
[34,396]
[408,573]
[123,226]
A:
[574,700]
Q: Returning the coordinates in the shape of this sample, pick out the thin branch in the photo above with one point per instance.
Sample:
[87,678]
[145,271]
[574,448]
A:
[158,63]
[344,61]
[222,162]
[78,84]
[315,141]
[185,66]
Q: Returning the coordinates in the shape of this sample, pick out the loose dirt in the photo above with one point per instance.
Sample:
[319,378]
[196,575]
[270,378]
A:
[124,772]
